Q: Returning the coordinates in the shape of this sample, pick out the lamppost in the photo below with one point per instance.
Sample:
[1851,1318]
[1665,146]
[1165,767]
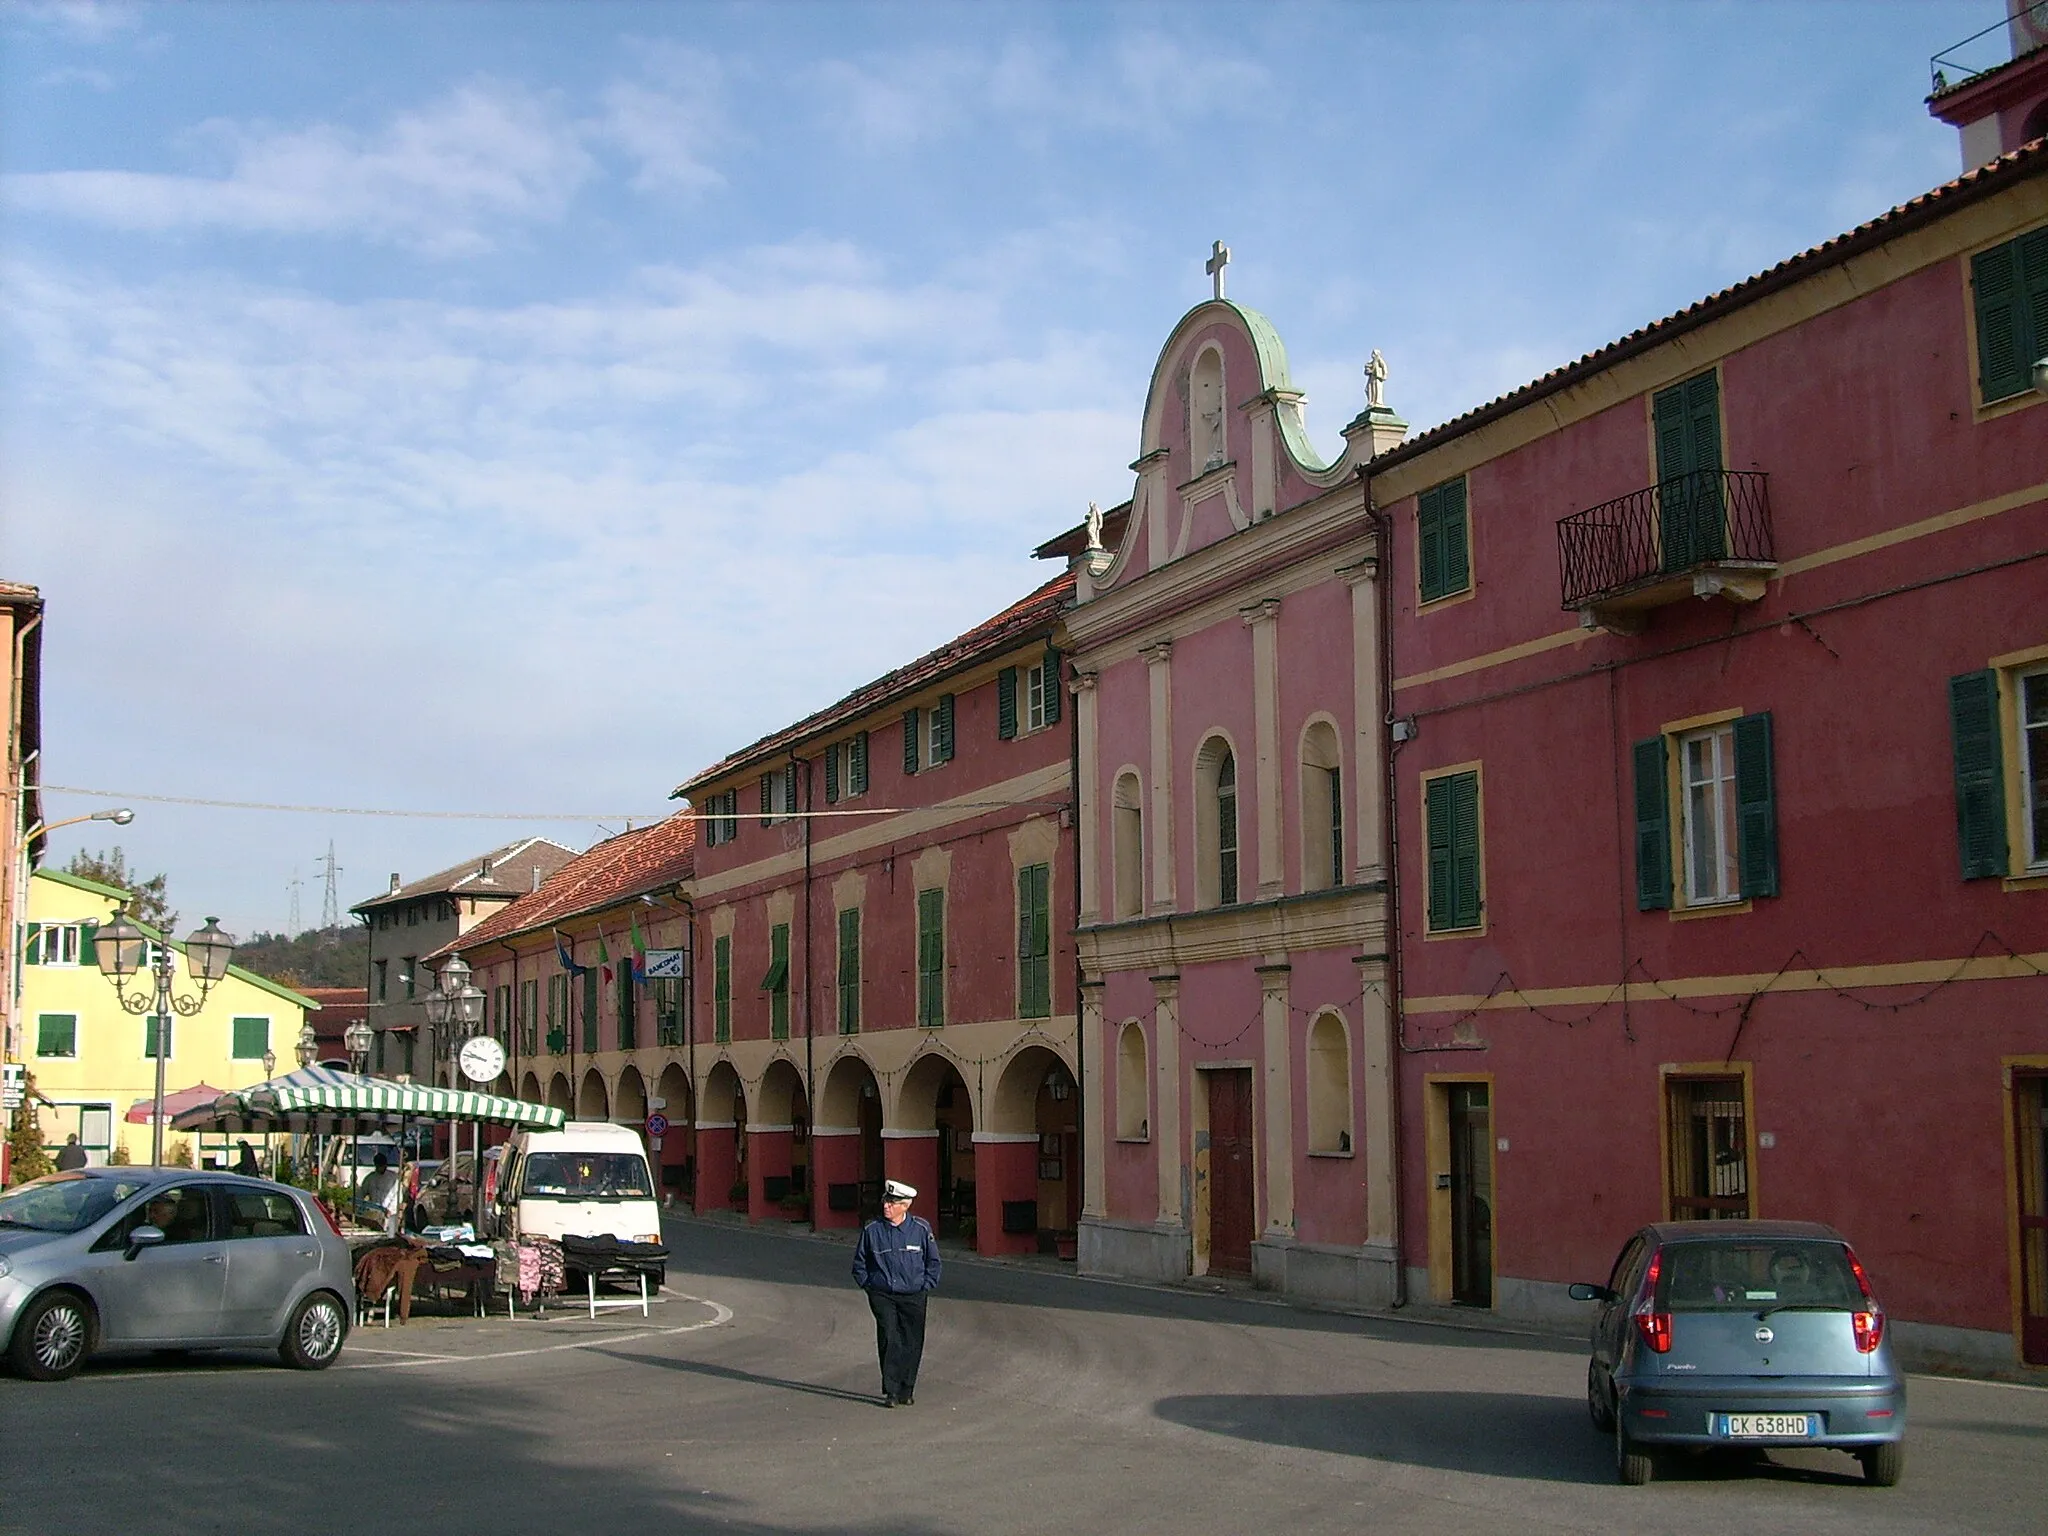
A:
[122,949]
[455,1008]
[308,1046]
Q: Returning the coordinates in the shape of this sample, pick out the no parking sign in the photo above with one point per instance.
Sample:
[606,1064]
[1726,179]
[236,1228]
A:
[657,1125]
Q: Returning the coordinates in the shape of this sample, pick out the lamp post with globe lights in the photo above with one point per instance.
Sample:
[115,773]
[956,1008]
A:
[356,1041]
[123,950]
[455,1008]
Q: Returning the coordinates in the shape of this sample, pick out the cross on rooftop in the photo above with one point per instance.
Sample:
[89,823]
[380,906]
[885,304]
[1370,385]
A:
[1219,258]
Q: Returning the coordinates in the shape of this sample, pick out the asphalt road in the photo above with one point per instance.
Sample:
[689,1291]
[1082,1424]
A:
[746,1403]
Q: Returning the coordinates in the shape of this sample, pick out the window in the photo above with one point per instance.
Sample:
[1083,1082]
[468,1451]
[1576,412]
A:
[931,959]
[721,817]
[382,968]
[529,1010]
[407,967]
[668,1010]
[626,1004]
[939,732]
[721,988]
[1727,822]
[913,740]
[259,1213]
[1985,710]
[1034,942]
[590,995]
[1322,809]
[2010,286]
[1451,829]
[154,1028]
[251,1038]
[1041,701]
[1329,1086]
[849,971]
[846,768]
[776,982]
[1226,831]
[558,1013]
[1686,421]
[1706,1149]
[57,1034]
[61,943]
[778,794]
[412,917]
[1215,824]
[1127,830]
[1443,541]
[1132,1096]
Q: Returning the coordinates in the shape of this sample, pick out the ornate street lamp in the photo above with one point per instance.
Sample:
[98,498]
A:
[356,1040]
[122,952]
[308,1046]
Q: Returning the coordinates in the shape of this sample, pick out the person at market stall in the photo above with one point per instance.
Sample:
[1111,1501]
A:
[380,1191]
[245,1161]
[71,1155]
[896,1262]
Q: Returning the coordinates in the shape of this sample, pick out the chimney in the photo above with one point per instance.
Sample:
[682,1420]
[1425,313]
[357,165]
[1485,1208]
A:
[536,877]
[394,882]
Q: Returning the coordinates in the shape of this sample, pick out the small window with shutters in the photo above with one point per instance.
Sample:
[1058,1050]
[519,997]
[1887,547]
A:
[931,959]
[251,1038]
[1706,815]
[721,989]
[1443,541]
[849,971]
[1034,941]
[1998,730]
[57,1034]
[1456,890]
[2009,297]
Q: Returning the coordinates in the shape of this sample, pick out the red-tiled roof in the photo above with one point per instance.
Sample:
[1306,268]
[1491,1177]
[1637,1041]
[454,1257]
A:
[1987,179]
[618,869]
[1040,610]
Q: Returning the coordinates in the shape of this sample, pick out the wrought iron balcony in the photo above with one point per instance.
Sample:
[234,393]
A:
[1702,534]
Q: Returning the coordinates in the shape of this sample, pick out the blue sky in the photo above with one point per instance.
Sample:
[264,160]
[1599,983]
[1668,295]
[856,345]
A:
[516,407]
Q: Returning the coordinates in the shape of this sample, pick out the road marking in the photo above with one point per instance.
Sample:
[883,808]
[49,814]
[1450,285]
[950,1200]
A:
[720,1316]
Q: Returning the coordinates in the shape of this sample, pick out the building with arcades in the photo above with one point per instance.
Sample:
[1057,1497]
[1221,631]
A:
[884,908]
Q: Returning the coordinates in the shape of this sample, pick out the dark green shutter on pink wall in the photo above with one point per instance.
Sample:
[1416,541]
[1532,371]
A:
[1980,774]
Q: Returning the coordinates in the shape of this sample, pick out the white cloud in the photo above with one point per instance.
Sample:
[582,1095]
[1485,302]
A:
[432,180]
[88,21]
[669,122]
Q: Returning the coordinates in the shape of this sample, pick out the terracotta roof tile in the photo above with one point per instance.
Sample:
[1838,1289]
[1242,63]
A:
[1991,177]
[1040,610]
[618,869]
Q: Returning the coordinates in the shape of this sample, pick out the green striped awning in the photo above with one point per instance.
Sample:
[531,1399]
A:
[317,1093]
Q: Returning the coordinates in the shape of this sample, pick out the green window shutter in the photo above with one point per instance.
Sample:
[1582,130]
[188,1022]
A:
[832,775]
[944,747]
[2001,321]
[251,1038]
[157,1026]
[1006,704]
[1980,774]
[88,944]
[57,1034]
[1674,441]
[1756,807]
[1465,882]
[1052,686]
[777,982]
[911,753]
[32,949]
[849,971]
[767,799]
[721,988]
[858,764]
[1437,839]
[1034,932]
[590,1009]
[931,958]
[1429,544]
[1653,827]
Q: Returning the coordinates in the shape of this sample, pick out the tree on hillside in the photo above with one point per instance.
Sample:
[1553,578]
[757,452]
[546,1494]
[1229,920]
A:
[150,903]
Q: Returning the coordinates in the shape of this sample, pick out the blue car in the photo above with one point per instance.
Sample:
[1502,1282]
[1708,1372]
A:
[1725,1334]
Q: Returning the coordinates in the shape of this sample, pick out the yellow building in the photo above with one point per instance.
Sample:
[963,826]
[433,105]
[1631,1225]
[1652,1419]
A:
[92,1058]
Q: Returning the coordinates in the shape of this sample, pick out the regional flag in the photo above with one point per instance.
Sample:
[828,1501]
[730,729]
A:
[604,958]
[562,954]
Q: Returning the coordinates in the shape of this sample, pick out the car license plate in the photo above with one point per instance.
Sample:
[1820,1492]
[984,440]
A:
[1763,1426]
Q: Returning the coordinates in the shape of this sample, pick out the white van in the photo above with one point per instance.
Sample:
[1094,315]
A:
[589,1179]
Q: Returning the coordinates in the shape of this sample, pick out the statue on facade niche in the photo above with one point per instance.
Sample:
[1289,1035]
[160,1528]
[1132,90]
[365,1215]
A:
[1094,526]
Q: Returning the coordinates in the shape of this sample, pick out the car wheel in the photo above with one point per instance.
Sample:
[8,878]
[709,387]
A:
[1631,1462]
[1596,1402]
[1884,1465]
[313,1337]
[658,1279]
[52,1336]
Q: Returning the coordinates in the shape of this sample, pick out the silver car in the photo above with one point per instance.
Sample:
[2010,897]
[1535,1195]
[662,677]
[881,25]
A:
[114,1259]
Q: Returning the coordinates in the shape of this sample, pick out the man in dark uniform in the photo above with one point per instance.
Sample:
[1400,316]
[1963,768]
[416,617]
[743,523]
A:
[896,1262]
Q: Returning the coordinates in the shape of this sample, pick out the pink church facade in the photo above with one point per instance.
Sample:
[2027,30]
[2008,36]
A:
[1234,1029]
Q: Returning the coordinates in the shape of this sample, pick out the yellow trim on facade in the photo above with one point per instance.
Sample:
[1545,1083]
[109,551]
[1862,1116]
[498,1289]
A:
[1436,1133]
[1700,722]
[1906,973]
[1681,914]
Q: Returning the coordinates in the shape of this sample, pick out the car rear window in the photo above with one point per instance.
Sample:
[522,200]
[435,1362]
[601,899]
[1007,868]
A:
[1734,1275]
[587,1176]
[262,1213]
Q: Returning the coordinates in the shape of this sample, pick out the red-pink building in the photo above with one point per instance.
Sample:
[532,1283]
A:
[884,899]
[1721,783]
